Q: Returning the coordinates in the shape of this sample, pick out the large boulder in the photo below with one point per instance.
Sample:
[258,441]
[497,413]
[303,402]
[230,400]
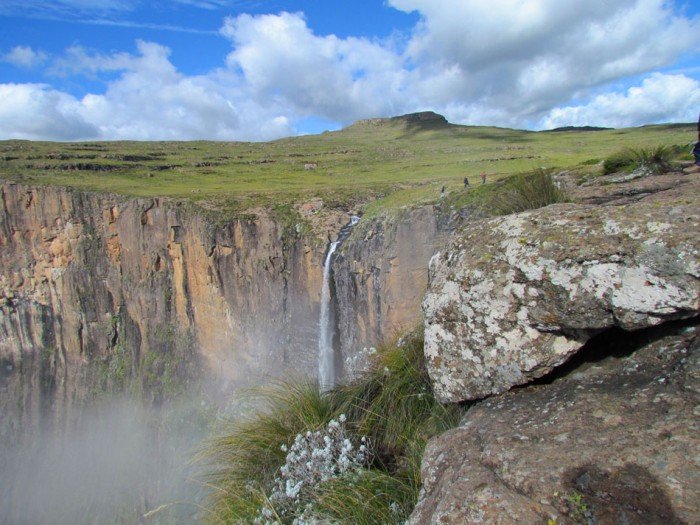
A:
[614,441]
[513,297]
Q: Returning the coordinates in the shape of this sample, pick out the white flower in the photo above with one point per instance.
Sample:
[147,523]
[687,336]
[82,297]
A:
[313,458]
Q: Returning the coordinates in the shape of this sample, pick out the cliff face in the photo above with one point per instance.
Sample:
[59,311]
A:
[380,276]
[97,290]
[102,293]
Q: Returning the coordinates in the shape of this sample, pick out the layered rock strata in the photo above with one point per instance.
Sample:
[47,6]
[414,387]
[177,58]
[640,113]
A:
[98,289]
[102,293]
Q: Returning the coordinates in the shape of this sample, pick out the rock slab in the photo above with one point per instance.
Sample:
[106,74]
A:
[614,442]
[512,298]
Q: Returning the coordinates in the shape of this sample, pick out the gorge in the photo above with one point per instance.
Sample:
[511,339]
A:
[99,290]
[107,298]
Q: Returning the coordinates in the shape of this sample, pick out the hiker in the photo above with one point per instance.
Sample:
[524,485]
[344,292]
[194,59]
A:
[466,182]
[442,192]
[483,178]
[695,168]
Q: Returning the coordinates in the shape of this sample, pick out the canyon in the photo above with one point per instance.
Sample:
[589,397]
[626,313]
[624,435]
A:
[102,293]
[558,330]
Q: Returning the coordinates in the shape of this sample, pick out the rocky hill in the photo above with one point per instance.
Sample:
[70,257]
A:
[424,119]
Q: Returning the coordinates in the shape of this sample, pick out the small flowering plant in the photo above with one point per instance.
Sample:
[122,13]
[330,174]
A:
[313,457]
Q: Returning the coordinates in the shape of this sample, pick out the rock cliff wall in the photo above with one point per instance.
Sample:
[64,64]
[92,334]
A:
[102,293]
[380,276]
[99,290]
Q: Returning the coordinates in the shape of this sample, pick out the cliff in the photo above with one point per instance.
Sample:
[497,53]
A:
[380,276]
[101,293]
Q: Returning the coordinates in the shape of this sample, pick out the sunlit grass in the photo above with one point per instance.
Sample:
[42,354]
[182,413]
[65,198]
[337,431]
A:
[527,191]
[391,404]
[355,166]
[656,158]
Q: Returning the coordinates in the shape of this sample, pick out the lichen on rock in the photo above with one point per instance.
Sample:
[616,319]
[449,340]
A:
[513,297]
[614,442]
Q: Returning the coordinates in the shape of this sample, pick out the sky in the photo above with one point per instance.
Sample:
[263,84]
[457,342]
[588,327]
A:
[263,69]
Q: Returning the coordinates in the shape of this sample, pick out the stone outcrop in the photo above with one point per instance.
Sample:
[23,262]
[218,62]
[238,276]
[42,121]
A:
[513,297]
[614,442]
[595,305]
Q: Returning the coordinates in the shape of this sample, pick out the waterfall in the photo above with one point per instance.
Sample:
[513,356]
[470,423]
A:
[326,353]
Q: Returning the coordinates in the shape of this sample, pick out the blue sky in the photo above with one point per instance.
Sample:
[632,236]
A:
[262,69]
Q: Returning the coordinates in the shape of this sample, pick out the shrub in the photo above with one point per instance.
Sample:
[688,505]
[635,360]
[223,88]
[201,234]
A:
[350,455]
[657,160]
[527,192]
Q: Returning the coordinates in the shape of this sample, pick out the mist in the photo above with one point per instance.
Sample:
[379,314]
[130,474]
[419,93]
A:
[120,463]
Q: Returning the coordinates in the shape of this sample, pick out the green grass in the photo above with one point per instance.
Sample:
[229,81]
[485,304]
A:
[656,158]
[391,404]
[527,192]
[392,162]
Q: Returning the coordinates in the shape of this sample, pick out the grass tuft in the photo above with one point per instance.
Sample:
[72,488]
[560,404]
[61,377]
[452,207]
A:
[656,159]
[392,404]
[527,192]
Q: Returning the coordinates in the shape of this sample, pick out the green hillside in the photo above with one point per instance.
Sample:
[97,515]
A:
[400,159]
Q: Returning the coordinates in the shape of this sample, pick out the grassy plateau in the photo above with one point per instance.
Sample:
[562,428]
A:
[371,165]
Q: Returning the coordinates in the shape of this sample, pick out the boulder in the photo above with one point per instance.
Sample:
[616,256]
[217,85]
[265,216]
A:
[513,297]
[614,441]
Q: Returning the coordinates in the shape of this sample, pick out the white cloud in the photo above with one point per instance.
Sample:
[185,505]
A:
[523,57]
[659,98]
[339,79]
[516,63]
[150,100]
[77,60]
[24,56]
[504,62]
[37,112]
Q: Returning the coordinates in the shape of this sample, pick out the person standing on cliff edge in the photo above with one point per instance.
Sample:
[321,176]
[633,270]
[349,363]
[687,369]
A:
[695,168]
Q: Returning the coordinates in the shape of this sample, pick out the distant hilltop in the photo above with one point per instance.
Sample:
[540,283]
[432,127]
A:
[576,128]
[422,118]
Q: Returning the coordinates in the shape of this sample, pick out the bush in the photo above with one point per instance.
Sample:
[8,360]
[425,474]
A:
[527,192]
[657,160]
[350,455]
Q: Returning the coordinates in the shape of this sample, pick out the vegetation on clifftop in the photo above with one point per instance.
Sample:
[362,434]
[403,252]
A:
[390,411]
[655,159]
[392,161]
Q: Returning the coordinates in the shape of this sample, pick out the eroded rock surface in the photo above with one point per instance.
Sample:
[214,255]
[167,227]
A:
[616,441]
[513,297]
[97,290]
[380,276]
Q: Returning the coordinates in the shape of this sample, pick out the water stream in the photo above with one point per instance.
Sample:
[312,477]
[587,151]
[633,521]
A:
[326,353]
